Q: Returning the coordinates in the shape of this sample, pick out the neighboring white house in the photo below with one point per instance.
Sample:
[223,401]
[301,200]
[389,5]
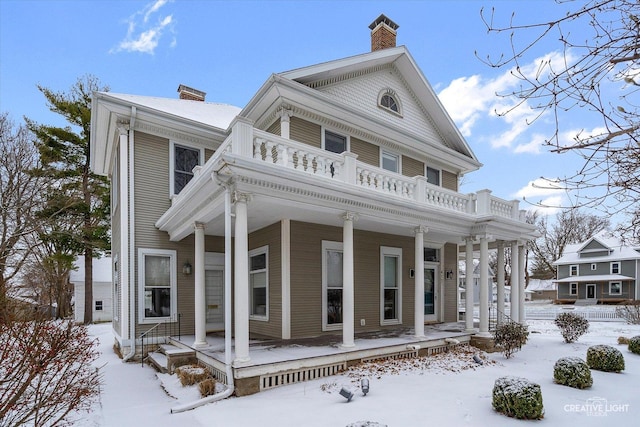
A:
[476,281]
[102,293]
[540,289]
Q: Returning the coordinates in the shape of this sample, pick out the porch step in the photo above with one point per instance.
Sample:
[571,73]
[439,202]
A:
[586,301]
[168,357]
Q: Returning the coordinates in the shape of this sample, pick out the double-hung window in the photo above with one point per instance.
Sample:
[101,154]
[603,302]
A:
[98,306]
[332,285]
[390,285]
[183,160]
[259,282]
[157,281]
[615,267]
[573,289]
[433,176]
[615,288]
[573,270]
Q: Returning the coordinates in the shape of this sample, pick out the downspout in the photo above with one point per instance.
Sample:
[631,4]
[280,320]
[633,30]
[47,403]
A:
[227,307]
[132,255]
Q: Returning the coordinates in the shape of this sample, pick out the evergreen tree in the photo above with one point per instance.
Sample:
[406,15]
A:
[77,196]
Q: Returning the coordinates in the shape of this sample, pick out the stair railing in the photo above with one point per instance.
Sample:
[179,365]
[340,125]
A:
[162,330]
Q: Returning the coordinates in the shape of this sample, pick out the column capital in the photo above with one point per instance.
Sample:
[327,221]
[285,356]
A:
[285,114]
[421,229]
[123,126]
[239,197]
[349,216]
[500,244]
[198,225]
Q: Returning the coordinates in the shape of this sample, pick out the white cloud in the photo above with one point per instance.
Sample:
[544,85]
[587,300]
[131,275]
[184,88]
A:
[543,195]
[147,38]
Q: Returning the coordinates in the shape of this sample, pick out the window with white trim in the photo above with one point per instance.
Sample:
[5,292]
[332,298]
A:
[98,305]
[615,288]
[182,161]
[390,285]
[157,282]
[594,267]
[390,161]
[433,176]
[573,289]
[334,142]
[259,283]
[332,285]
[388,100]
[615,267]
[573,270]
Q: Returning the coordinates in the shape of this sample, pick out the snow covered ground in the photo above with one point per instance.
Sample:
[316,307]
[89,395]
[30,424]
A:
[443,390]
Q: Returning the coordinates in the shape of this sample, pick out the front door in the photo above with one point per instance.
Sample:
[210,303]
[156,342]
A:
[591,291]
[430,293]
[214,299]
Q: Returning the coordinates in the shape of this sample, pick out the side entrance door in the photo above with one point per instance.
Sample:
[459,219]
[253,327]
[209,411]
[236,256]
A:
[431,293]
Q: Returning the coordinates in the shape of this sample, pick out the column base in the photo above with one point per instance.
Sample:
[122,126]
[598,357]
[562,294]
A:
[200,344]
[347,346]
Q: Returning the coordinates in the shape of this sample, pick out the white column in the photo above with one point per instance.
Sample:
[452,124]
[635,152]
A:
[500,280]
[347,281]
[285,265]
[469,298]
[419,281]
[285,121]
[241,287]
[521,294]
[199,296]
[515,282]
[484,287]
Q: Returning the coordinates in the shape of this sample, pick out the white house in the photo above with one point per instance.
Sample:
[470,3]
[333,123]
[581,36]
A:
[102,289]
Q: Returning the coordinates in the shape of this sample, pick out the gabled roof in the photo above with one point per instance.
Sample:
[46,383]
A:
[296,87]
[616,251]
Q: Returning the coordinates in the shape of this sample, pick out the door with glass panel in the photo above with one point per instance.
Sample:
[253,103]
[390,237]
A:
[430,293]
[214,299]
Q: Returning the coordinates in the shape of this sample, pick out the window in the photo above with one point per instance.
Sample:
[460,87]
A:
[573,289]
[573,270]
[390,284]
[390,161]
[388,100]
[433,176]
[183,160]
[98,306]
[431,255]
[332,285]
[259,282]
[334,142]
[157,281]
[594,267]
[615,268]
[615,288]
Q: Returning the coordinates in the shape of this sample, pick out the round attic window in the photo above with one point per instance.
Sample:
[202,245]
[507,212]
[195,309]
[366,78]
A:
[389,101]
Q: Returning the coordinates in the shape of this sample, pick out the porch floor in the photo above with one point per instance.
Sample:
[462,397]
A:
[265,351]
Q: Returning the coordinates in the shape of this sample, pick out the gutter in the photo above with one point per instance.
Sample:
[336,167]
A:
[227,302]
[131,250]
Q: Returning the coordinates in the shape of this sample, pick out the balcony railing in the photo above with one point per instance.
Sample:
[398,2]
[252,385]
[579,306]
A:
[345,167]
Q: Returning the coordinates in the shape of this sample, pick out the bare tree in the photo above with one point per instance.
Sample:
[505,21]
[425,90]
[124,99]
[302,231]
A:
[20,198]
[46,372]
[570,226]
[595,71]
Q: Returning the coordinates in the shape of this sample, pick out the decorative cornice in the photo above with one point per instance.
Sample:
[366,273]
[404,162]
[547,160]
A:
[346,76]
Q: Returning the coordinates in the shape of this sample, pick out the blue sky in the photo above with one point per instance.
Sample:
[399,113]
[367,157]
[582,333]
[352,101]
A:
[229,48]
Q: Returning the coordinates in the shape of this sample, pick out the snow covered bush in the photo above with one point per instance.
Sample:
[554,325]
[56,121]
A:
[571,326]
[510,337]
[634,345]
[605,358]
[191,374]
[207,387]
[629,311]
[573,372]
[518,398]
[623,340]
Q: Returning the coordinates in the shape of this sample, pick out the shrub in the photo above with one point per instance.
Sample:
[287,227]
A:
[573,372]
[634,345]
[517,397]
[207,387]
[605,358]
[572,326]
[191,374]
[630,312]
[623,340]
[510,337]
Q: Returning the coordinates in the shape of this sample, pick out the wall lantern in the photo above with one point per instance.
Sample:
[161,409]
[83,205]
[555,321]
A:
[449,274]
[186,269]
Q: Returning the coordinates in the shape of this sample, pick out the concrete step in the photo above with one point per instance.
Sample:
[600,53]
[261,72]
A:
[159,361]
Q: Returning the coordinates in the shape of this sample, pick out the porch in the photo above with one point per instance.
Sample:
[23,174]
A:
[280,362]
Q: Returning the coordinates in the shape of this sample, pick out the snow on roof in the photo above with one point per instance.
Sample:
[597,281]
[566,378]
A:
[209,113]
[101,270]
[571,253]
[541,285]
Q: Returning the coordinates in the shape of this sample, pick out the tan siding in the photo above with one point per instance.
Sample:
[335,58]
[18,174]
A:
[449,180]
[450,263]
[367,152]
[305,132]
[208,153]
[412,167]
[275,128]
[306,277]
[270,236]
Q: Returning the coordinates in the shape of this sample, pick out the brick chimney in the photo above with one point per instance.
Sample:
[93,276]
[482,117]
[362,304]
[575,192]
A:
[383,33]
[190,93]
